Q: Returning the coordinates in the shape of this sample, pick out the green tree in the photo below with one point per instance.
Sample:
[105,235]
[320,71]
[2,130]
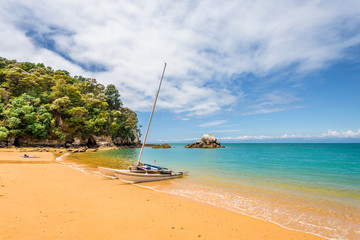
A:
[113,97]
[21,114]
[3,132]
[26,66]
[26,117]
[2,109]
[61,105]
[38,130]
[4,95]
[79,121]
[63,89]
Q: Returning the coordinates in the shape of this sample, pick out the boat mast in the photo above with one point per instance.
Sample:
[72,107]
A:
[152,112]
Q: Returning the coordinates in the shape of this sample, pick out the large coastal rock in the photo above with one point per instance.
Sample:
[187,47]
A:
[207,141]
[165,145]
[127,141]
[208,138]
[103,141]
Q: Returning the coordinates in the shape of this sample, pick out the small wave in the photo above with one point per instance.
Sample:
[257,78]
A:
[313,225]
[75,166]
[281,213]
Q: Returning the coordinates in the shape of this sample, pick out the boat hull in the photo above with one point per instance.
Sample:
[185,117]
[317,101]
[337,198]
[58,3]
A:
[134,177]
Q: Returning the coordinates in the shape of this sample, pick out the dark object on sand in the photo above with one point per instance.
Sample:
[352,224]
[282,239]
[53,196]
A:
[27,156]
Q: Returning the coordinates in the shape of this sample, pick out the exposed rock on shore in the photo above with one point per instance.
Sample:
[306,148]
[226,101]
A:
[72,142]
[165,145]
[207,141]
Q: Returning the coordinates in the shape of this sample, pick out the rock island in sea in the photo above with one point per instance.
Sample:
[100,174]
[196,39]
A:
[165,145]
[207,141]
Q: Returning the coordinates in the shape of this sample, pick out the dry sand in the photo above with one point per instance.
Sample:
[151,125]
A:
[41,199]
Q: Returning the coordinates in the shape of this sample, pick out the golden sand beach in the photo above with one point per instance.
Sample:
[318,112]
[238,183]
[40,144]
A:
[42,199]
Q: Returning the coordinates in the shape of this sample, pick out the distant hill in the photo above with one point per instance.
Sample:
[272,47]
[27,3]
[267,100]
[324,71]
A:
[42,106]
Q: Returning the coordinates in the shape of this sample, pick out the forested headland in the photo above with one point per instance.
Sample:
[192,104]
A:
[42,106]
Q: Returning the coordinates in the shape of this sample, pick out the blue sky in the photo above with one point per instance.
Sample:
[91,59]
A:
[246,71]
[329,102]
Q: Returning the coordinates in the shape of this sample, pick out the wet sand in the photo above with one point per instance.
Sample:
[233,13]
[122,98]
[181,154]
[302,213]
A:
[42,199]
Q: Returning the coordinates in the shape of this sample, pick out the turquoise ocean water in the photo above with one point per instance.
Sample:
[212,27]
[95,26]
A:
[308,187]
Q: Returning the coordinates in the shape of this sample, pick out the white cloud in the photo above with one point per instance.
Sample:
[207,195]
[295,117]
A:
[213,123]
[329,134]
[275,101]
[341,134]
[205,43]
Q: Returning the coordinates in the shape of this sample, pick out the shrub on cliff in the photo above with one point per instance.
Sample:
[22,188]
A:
[3,133]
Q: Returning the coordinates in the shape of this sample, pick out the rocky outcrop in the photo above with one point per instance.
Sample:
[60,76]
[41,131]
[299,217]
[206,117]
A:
[71,143]
[29,142]
[3,144]
[165,145]
[127,141]
[103,141]
[207,141]
[208,138]
[75,150]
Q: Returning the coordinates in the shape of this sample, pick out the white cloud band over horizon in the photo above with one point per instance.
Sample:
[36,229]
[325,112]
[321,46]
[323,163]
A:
[208,45]
[330,134]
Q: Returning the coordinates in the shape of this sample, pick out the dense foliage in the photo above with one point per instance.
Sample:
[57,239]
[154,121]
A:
[41,103]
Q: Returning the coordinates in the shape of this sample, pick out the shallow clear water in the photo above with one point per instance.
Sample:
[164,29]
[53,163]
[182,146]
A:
[309,187]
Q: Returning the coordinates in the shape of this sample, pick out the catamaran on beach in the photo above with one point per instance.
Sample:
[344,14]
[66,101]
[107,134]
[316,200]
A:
[142,172]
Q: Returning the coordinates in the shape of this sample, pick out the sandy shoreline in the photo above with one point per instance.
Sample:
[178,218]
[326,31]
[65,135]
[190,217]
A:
[41,199]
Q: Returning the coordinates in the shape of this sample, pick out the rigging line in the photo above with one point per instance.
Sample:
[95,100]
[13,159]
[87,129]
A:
[152,112]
